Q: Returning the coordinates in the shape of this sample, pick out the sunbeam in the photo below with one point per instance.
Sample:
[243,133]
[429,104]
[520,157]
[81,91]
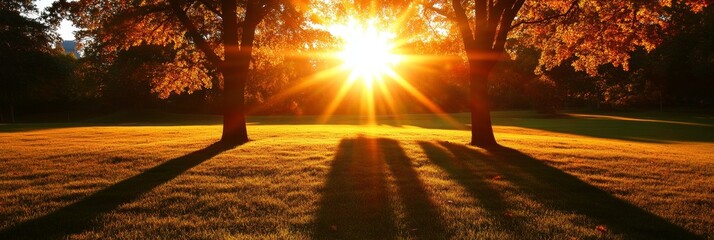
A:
[368,52]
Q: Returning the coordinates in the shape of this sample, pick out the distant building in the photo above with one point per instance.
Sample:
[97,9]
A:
[70,46]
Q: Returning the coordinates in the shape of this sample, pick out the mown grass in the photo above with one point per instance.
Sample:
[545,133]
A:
[643,175]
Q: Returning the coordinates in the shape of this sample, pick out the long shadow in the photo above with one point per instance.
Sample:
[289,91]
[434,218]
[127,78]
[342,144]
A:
[423,220]
[472,178]
[79,216]
[638,127]
[566,192]
[659,129]
[354,203]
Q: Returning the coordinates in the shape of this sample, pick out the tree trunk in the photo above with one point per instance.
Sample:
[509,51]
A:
[234,124]
[235,73]
[481,131]
[236,66]
[234,77]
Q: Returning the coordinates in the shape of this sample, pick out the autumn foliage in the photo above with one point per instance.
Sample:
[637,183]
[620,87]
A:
[585,34]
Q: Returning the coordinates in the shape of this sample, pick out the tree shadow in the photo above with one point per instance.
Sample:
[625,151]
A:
[78,216]
[355,202]
[568,193]
[472,176]
[645,127]
[657,128]
[423,220]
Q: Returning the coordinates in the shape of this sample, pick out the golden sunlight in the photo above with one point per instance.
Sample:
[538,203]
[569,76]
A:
[367,51]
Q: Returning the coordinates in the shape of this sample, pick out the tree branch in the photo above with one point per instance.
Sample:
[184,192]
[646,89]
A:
[481,11]
[164,22]
[505,24]
[546,19]
[135,13]
[517,5]
[211,8]
[440,12]
[463,22]
[491,7]
[194,34]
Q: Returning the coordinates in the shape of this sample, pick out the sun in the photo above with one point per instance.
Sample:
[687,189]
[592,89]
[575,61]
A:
[372,55]
[367,52]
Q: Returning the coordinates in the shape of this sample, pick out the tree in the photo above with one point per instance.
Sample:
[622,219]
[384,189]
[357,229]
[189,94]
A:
[23,43]
[209,36]
[594,32]
[127,81]
[682,67]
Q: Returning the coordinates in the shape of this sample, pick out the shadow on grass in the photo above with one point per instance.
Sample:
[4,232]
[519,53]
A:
[638,127]
[560,190]
[423,219]
[78,216]
[650,128]
[635,127]
[355,202]
[472,175]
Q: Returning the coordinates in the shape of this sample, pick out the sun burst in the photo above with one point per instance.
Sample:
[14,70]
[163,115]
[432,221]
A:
[369,54]
[366,51]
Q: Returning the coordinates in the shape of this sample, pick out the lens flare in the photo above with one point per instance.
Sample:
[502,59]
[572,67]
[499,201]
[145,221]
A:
[367,51]
[369,57]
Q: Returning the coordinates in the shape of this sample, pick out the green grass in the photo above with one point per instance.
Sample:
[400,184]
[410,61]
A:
[635,175]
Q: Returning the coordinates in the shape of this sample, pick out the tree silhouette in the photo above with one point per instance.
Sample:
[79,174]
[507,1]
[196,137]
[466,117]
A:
[594,32]
[211,38]
[30,69]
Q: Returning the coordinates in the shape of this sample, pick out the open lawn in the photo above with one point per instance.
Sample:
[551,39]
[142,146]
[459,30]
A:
[577,176]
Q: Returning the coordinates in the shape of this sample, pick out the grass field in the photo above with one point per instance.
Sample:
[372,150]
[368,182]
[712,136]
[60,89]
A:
[575,176]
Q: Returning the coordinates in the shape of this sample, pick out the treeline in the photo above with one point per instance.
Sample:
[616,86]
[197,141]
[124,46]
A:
[40,82]
[33,71]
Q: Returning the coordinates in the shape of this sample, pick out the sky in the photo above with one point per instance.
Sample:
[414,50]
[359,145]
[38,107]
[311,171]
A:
[66,28]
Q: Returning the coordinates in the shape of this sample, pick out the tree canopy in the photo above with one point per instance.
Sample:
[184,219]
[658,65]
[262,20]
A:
[212,42]
[193,29]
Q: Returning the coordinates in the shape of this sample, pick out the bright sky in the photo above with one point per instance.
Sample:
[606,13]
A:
[66,28]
